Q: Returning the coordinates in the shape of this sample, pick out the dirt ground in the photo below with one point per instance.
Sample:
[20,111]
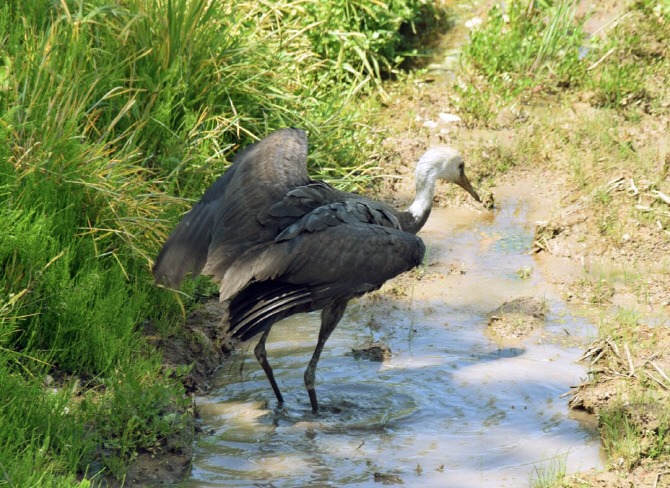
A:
[592,268]
[517,318]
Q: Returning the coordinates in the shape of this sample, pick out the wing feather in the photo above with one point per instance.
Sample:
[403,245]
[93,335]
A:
[225,222]
[307,272]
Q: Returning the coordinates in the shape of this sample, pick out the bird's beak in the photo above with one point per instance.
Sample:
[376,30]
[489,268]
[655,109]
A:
[464,183]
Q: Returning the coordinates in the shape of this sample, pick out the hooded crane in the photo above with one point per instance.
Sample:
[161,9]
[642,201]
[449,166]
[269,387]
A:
[280,243]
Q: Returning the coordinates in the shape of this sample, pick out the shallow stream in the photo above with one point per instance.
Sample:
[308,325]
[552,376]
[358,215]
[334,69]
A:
[454,406]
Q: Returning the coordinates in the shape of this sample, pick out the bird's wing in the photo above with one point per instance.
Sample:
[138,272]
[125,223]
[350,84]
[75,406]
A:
[225,222]
[306,272]
[187,247]
[348,259]
[347,212]
[305,199]
[266,173]
[353,258]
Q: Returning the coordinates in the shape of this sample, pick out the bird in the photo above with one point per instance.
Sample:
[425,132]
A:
[279,243]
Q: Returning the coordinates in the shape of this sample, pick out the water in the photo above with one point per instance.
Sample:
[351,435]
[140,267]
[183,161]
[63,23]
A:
[454,407]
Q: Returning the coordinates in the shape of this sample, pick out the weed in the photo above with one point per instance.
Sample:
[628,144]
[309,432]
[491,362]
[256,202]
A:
[522,47]
[525,272]
[549,473]
[142,417]
[596,290]
[636,429]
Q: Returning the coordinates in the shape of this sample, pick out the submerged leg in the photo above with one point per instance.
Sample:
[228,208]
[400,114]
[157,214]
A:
[330,317]
[262,357]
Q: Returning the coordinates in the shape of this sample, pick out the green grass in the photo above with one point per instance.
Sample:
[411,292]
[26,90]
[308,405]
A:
[522,48]
[367,38]
[114,117]
[549,473]
[628,439]
[540,48]
[534,44]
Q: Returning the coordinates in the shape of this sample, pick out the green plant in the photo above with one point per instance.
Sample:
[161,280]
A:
[140,416]
[549,473]
[627,437]
[43,435]
[364,38]
[525,272]
[525,45]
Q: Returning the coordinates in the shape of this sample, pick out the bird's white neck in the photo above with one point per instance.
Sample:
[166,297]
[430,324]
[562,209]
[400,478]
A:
[423,201]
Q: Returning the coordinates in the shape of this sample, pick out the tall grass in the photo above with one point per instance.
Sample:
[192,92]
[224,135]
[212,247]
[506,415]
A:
[365,38]
[114,116]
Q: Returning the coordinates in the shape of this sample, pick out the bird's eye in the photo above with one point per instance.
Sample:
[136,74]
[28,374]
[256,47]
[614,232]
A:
[461,166]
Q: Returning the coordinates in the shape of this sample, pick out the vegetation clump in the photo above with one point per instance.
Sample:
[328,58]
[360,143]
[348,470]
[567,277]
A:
[528,50]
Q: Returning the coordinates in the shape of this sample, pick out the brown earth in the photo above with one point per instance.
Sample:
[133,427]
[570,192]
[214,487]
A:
[517,318]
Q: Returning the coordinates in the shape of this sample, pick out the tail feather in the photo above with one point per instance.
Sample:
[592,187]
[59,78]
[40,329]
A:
[265,311]
[257,307]
[255,296]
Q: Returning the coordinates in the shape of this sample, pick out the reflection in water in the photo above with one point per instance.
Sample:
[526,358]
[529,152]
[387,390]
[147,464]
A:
[453,407]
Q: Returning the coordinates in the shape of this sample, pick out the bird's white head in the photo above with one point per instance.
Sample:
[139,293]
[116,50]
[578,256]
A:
[444,163]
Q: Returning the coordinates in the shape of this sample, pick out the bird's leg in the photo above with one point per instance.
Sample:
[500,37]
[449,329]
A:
[330,317]
[262,357]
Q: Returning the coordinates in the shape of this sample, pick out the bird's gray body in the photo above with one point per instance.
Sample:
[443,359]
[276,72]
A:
[279,243]
[265,221]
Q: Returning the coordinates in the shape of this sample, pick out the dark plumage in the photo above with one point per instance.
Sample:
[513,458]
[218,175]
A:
[280,244]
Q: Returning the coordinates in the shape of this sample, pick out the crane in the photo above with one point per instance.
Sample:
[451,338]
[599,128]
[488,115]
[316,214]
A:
[279,243]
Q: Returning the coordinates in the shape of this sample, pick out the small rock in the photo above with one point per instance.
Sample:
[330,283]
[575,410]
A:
[373,351]
[388,479]
[517,318]
[430,124]
[523,305]
[449,117]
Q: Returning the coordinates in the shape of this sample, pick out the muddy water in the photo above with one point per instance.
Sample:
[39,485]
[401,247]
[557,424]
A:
[454,407]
